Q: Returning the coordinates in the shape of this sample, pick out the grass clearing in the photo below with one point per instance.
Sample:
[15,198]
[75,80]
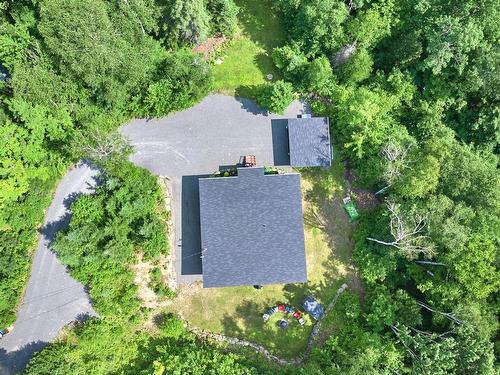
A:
[237,311]
[247,58]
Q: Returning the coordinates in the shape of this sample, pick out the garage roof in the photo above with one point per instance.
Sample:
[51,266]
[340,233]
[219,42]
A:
[309,140]
[252,230]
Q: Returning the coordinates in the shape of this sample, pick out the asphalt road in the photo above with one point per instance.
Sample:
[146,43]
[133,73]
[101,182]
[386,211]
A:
[196,142]
[52,299]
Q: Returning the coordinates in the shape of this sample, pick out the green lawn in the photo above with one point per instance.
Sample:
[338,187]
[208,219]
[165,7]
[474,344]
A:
[237,311]
[247,59]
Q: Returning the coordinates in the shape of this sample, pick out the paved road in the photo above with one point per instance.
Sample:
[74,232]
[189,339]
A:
[196,142]
[52,298]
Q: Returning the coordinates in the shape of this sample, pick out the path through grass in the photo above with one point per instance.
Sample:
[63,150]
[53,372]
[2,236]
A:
[247,59]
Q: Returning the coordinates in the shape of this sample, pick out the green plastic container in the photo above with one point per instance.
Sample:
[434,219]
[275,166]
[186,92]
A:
[351,211]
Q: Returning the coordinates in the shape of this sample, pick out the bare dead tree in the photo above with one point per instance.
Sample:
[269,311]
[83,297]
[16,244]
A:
[350,5]
[406,232]
[450,316]
[344,54]
[398,333]
[430,263]
[396,160]
[101,146]
[439,336]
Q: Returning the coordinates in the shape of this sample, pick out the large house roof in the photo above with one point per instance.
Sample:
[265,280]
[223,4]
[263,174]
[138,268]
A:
[309,141]
[252,230]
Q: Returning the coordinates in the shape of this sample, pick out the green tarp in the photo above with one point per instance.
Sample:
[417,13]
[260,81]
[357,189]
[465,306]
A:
[351,211]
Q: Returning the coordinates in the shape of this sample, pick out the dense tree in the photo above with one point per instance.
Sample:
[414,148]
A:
[474,268]
[291,60]
[72,69]
[357,68]
[317,25]
[186,22]
[223,16]
[14,43]
[182,80]
[276,96]
[317,73]
[88,44]
[411,107]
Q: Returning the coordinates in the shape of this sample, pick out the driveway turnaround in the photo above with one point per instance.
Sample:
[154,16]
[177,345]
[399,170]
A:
[52,299]
[193,143]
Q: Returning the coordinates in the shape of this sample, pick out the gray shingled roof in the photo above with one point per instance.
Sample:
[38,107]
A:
[309,140]
[252,231]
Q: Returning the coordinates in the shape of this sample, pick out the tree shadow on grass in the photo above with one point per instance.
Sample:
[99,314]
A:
[261,23]
[266,65]
[325,212]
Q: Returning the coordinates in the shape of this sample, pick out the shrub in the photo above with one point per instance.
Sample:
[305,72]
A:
[276,97]
[182,80]
[107,230]
[318,73]
[158,285]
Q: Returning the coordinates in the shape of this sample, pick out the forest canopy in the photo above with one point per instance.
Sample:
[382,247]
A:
[411,90]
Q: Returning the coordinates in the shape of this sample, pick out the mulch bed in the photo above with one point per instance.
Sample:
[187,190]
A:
[209,47]
[365,199]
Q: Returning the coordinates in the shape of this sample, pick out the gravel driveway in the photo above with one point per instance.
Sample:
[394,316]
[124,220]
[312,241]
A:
[196,142]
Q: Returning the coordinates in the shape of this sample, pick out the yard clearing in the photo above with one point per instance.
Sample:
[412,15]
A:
[237,311]
[247,58]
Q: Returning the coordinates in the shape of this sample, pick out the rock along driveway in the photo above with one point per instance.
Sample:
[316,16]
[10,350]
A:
[196,142]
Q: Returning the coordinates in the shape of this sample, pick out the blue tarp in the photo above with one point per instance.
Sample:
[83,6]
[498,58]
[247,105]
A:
[313,307]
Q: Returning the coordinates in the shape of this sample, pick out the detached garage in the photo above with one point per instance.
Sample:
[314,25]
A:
[309,142]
